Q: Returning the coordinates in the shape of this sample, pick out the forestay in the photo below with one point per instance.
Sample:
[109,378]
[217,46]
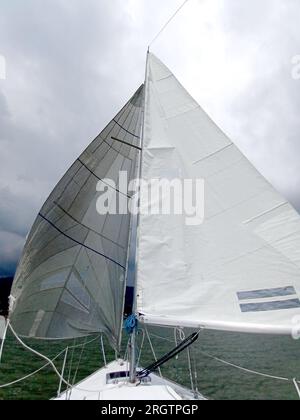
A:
[71,279]
[240,269]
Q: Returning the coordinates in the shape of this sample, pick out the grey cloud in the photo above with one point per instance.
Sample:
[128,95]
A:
[10,249]
[262,116]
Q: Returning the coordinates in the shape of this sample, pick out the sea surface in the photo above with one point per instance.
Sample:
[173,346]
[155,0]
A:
[277,356]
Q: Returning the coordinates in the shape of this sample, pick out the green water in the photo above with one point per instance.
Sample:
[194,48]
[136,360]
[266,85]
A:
[272,355]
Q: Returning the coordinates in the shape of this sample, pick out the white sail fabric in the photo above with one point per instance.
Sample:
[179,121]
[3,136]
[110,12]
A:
[71,279]
[240,269]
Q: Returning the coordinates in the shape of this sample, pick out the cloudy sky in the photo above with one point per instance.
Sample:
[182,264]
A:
[71,64]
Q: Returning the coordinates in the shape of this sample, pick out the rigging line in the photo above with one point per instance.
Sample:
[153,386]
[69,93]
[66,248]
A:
[253,372]
[169,21]
[50,362]
[3,340]
[70,370]
[141,348]
[190,369]
[153,351]
[79,361]
[85,344]
[297,387]
[184,345]
[31,374]
[63,371]
[80,243]
[103,350]
[233,365]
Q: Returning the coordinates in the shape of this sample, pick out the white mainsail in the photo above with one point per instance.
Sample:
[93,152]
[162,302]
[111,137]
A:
[240,269]
[71,279]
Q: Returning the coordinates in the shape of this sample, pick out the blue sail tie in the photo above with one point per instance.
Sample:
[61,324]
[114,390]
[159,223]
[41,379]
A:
[131,324]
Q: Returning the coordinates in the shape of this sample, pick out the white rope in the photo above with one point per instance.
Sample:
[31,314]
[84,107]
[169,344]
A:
[190,370]
[141,349]
[70,370]
[79,360]
[297,387]
[63,371]
[50,362]
[3,340]
[84,344]
[126,351]
[69,392]
[103,350]
[169,21]
[24,378]
[182,338]
[196,376]
[30,374]
[194,384]
[153,351]
[38,354]
[175,339]
[253,372]
[162,338]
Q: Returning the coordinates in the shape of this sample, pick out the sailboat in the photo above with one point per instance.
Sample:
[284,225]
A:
[237,271]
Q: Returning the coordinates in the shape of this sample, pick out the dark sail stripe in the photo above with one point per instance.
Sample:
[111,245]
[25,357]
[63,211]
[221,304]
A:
[80,243]
[134,135]
[267,293]
[270,306]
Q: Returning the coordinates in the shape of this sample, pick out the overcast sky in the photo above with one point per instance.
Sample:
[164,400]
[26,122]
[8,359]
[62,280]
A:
[72,64]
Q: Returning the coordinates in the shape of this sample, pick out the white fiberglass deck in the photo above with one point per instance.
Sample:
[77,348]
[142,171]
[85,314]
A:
[95,387]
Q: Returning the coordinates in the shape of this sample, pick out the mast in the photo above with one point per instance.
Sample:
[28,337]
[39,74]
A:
[132,345]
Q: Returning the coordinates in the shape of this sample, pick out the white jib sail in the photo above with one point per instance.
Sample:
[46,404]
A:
[240,269]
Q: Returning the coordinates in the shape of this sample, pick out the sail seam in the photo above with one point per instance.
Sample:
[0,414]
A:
[134,135]
[120,115]
[110,147]
[112,127]
[80,243]
[126,143]
[86,227]
[130,117]
[93,173]
[64,289]
[213,154]
[246,222]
